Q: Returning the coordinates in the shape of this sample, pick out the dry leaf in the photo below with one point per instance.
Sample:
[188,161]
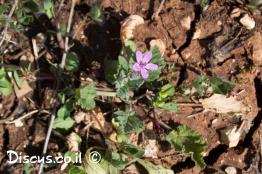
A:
[25,89]
[151,149]
[158,43]
[73,141]
[248,22]
[129,25]
[224,105]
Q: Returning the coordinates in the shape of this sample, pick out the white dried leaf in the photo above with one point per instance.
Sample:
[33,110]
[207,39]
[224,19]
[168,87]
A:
[129,25]
[248,22]
[151,149]
[18,123]
[158,43]
[79,117]
[224,105]
[73,141]
[234,136]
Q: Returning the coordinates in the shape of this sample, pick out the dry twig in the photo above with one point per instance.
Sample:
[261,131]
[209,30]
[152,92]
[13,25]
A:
[60,71]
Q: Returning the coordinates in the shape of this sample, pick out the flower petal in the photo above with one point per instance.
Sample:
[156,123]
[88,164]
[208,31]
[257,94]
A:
[144,73]
[151,66]
[136,67]
[147,57]
[139,56]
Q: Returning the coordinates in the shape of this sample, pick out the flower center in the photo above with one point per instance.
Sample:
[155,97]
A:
[141,64]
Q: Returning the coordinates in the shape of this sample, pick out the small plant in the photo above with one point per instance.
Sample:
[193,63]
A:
[96,14]
[132,70]
[83,97]
[218,85]
[186,140]
[164,98]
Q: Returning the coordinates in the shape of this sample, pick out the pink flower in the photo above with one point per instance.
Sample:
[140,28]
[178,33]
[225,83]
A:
[142,64]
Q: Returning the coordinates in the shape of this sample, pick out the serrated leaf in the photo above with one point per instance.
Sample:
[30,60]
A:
[131,45]
[127,122]
[111,68]
[153,169]
[186,140]
[201,84]
[119,160]
[221,86]
[48,8]
[167,91]
[65,110]
[133,150]
[123,63]
[76,170]
[85,96]
[72,62]
[61,123]
[103,167]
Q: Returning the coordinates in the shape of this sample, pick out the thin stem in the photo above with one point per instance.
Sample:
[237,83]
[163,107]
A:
[6,24]
[156,15]
[60,71]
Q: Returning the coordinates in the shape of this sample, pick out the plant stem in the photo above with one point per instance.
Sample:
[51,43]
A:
[60,71]
[106,93]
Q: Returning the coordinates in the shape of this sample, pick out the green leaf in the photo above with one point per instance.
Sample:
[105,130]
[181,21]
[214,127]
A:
[96,14]
[23,17]
[31,6]
[171,106]
[17,79]
[201,84]
[153,169]
[72,62]
[167,91]
[65,110]
[48,7]
[132,150]
[127,122]
[27,168]
[131,45]
[186,140]
[204,3]
[103,167]
[61,123]
[123,63]
[111,68]
[5,84]
[221,86]
[71,155]
[76,170]
[85,96]
[119,160]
